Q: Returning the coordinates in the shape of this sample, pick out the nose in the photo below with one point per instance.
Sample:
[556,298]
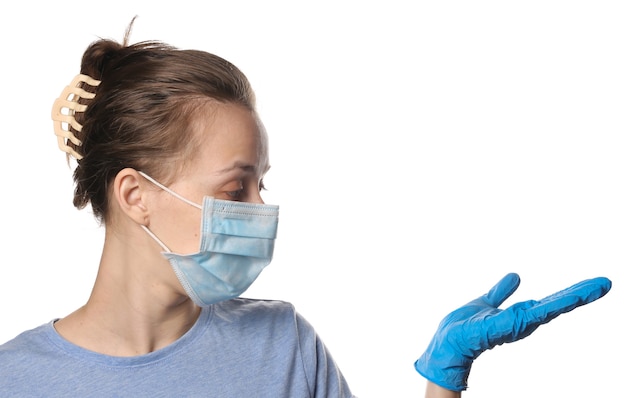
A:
[255,197]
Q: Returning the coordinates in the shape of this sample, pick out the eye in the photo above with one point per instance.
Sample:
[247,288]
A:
[233,190]
[234,195]
[262,186]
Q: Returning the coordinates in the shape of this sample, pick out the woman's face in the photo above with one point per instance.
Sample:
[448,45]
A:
[230,165]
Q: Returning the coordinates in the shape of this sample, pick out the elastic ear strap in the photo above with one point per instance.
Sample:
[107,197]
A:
[166,189]
[157,240]
[63,110]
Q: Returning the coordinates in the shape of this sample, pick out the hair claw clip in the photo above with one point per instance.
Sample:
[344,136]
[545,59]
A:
[63,111]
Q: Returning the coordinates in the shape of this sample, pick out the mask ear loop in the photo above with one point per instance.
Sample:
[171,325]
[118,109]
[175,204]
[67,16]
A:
[166,189]
[157,240]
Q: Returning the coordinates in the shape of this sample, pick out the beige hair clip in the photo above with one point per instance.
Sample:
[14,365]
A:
[63,111]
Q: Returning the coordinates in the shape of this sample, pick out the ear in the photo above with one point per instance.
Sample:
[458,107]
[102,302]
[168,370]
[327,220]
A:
[130,195]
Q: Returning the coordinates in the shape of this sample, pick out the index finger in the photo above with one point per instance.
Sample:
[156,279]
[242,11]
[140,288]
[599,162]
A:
[566,300]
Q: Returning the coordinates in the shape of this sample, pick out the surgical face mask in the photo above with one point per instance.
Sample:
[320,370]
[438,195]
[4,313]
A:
[236,244]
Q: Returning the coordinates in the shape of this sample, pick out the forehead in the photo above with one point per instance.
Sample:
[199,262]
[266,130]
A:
[229,134]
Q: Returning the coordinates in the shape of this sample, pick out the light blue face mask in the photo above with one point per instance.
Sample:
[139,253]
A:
[236,244]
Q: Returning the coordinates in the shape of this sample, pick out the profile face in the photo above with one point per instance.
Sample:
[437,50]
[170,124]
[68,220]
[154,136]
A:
[229,165]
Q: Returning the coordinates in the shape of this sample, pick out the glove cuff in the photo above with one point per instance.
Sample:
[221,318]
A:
[450,378]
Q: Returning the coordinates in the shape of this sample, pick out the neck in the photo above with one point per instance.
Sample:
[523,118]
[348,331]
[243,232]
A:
[136,305]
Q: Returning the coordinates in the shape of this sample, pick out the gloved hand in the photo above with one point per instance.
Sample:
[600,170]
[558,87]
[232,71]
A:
[479,325]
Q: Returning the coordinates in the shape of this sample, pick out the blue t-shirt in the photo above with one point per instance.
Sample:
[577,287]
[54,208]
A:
[239,348]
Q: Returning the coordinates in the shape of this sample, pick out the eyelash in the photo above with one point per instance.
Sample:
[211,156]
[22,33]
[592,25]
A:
[234,194]
[237,194]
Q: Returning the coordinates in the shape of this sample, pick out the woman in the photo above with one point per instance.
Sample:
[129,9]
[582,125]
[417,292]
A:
[171,156]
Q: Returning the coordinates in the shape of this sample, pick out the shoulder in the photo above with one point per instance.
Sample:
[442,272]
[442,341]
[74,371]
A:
[277,331]
[271,317]
[256,305]
[25,351]
[29,340]
[255,310]
[246,307]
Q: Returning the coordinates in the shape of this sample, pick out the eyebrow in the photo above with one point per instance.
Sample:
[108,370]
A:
[240,165]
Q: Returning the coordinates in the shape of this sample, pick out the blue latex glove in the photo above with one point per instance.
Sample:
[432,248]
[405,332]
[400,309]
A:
[479,325]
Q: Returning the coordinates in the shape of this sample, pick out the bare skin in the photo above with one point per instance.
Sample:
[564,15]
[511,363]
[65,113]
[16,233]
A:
[434,391]
[137,304]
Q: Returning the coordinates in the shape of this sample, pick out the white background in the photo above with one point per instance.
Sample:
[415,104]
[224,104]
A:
[420,151]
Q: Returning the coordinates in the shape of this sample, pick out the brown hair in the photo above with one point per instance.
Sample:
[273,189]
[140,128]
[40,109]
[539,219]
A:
[143,112]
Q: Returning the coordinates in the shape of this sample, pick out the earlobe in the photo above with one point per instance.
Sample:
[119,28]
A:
[130,196]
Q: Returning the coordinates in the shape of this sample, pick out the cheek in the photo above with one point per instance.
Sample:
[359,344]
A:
[179,228]
[187,232]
